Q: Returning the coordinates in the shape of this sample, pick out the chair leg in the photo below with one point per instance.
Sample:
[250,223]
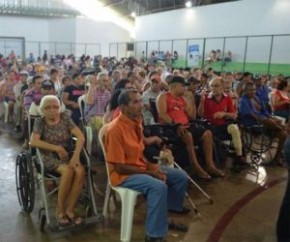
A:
[128,204]
[106,202]
[6,112]
[89,135]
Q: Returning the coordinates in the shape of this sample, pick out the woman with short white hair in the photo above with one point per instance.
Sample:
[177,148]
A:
[52,135]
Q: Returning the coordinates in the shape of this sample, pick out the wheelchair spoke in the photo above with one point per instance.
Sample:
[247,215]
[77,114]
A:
[25,182]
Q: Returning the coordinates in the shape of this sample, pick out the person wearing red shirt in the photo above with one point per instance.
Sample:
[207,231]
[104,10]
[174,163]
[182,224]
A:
[218,108]
[173,107]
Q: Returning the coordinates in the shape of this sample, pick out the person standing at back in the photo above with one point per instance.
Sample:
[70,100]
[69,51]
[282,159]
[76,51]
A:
[71,95]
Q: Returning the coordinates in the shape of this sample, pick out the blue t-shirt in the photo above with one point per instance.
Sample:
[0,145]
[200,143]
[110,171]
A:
[246,108]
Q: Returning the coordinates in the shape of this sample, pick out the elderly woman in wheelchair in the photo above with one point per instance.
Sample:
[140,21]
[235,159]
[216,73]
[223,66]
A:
[52,135]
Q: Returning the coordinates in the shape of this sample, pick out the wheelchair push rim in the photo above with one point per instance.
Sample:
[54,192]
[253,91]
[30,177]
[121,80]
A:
[25,182]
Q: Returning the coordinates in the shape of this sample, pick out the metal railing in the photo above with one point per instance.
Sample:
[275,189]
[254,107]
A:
[257,53]
[23,48]
[269,54]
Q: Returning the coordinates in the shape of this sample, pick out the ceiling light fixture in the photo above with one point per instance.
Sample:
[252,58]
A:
[188,4]
[133,14]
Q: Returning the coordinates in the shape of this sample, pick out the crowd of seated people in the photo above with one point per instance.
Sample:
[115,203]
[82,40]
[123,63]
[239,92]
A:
[216,55]
[99,79]
[181,97]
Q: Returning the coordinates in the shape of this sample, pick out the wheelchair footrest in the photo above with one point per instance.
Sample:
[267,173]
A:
[94,219]
[87,221]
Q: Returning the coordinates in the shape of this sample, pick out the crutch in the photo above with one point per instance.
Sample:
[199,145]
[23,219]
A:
[195,184]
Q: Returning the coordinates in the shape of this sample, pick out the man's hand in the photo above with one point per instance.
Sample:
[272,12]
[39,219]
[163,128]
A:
[219,115]
[181,131]
[159,175]
[156,140]
[202,96]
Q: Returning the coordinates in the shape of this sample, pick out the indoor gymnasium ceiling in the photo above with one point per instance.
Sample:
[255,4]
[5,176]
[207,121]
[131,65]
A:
[143,7]
[57,8]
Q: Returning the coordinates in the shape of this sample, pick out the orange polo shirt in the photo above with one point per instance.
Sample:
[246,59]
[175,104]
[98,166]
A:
[124,145]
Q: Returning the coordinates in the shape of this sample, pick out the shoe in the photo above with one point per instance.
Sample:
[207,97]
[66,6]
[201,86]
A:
[183,211]
[177,227]
[154,239]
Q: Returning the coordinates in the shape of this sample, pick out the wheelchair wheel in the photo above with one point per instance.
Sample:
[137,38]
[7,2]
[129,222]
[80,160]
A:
[25,182]
[256,158]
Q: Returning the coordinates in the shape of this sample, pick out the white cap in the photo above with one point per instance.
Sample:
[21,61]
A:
[22,73]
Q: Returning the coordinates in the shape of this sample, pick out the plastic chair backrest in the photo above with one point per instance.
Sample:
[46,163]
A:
[153,107]
[102,133]
[81,102]
[127,196]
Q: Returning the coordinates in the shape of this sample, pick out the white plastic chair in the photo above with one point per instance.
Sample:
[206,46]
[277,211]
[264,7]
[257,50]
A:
[88,129]
[128,197]
[6,112]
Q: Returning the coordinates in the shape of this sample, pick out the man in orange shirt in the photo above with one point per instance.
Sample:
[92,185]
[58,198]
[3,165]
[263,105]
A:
[164,187]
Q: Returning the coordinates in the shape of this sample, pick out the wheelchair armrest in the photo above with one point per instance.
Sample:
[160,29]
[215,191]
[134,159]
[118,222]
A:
[166,132]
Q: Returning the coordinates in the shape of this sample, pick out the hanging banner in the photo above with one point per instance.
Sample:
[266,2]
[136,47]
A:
[193,55]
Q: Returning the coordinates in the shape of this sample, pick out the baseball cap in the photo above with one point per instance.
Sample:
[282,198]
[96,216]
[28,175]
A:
[24,73]
[177,79]
[47,84]
[29,80]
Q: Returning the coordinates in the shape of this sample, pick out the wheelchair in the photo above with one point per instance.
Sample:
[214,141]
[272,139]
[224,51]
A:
[168,132]
[30,173]
[257,142]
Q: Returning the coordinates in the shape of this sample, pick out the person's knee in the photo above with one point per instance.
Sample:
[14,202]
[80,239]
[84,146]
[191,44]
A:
[187,139]
[182,176]
[207,135]
[79,172]
[160,187]
[67,171]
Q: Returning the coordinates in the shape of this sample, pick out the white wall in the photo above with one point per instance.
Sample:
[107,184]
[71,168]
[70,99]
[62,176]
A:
[88,31]
[239,18]
[65,30]
[32,29]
